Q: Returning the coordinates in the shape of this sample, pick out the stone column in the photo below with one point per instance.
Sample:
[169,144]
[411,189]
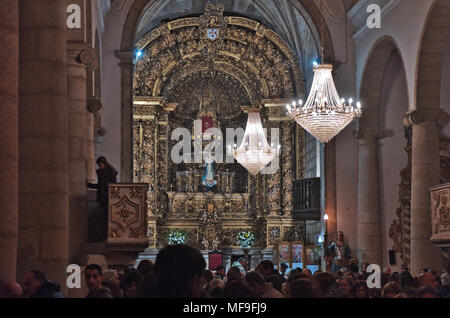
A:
[425,174]
[43,130]
[76,97]
[9,132]
[369,238]
[126,58]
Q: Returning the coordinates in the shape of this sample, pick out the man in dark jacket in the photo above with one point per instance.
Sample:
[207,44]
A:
[35,285]
[94,279]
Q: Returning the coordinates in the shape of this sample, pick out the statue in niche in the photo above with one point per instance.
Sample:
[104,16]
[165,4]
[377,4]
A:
[208,179]
[215,244]
[205,244]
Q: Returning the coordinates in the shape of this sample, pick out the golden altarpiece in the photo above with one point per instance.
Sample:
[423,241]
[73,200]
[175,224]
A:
[207,68]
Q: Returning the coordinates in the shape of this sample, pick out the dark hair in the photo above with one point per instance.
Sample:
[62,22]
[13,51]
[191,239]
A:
[326,281]
[145,266]
[238,289]
[129,278]
[276,281]
[426,290]
[406,279]
[283,265]
[39,275]
[220,267]
[102,160]
[304,288]
[357,286]
[234,273]
[217,292]
[395,277]
[294,274]
[255,278]
[94,267]
[267,265]
[170,280]
[391,287]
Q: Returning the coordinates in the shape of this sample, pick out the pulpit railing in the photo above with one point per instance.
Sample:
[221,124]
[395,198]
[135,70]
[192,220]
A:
[306,199]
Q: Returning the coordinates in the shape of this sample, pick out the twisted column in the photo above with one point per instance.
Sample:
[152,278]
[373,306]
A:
[425,174]
[369,238]
[9,142]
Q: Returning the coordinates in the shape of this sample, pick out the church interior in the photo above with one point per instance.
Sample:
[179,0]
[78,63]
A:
[263,129]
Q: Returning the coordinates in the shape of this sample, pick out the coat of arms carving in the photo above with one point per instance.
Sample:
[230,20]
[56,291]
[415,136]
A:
[212,34]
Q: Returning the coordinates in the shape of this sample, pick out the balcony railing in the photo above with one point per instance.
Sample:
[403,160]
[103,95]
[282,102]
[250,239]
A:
[306,199]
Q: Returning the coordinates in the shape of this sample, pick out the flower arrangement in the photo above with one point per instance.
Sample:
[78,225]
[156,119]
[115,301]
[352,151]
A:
[177,237]
[246,239]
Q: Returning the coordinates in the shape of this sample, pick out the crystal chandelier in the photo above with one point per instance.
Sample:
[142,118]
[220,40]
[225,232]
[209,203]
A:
[254,153]
[324,114]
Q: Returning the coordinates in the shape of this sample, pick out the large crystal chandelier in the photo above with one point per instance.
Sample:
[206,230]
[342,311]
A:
[254,153]
[324,114]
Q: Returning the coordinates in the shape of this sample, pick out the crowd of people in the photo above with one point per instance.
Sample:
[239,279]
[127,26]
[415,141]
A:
[179,272]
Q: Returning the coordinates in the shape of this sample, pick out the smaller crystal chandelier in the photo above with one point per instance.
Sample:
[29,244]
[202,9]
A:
[254,153]
[324,114]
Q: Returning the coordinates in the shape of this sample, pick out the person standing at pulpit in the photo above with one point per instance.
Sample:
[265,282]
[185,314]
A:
[106,174]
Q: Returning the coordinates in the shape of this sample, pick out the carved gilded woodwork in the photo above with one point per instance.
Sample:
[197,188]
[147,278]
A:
[127,218]
[440,214]
[182,74]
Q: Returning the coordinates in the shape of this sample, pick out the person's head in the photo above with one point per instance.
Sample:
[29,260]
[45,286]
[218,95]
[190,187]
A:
[294,274]
[364,267]
[256,282]
[406,279]
[111,276]
[221,271]
[145,266]
[283,268]
[243,261]
[326,281]
[10,289]
[307,272]
[340,236]
[102,163]
[359,290]
[93,276]
[391,289]
[238,289]
[265,268]
[234,273]
[445,279]
[353,265]
[395,277]
[216,288]
[130,282]
[428,279]
[276,281]
[171,282]
[303,288]
[405,268]
[32,281]
[207,276]
[345,286]
[426,292]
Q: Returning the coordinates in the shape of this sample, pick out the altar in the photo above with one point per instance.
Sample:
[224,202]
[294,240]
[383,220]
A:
[185,82]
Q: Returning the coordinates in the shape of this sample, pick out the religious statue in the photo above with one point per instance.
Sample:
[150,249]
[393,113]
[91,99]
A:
[208,179]
[205,244]
[341,252]
[215,244]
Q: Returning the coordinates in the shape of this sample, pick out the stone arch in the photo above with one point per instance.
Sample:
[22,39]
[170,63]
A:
[370,91]
[134,15]
[370,220]
[431,56]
